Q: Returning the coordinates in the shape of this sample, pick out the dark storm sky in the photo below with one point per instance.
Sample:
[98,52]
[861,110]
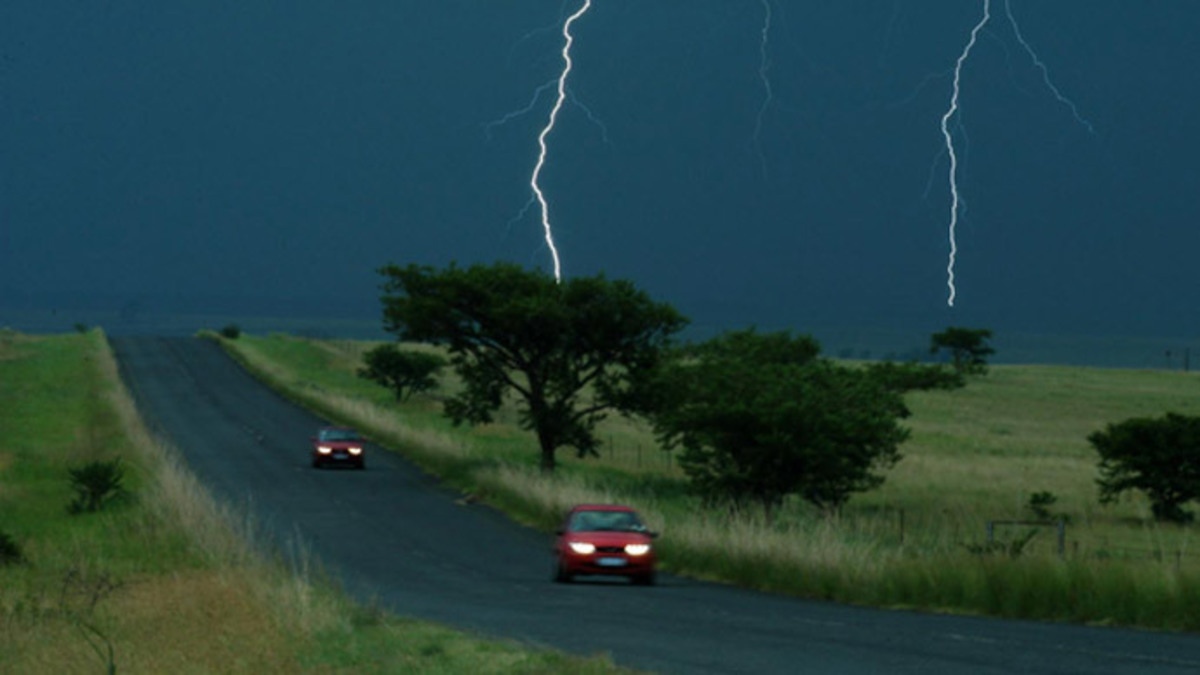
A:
[268,156]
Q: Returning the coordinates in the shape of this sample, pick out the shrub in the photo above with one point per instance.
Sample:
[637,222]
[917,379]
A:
[231,331]
[1160,457]
[404,372]
[761,416]
[97,484]
[10,550]
[1040,503]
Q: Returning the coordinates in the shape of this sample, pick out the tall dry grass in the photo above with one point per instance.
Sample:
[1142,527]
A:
[976,455]
[177,581]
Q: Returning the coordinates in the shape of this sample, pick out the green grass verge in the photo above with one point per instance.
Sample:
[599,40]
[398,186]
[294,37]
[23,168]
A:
[169,580]
[975,455]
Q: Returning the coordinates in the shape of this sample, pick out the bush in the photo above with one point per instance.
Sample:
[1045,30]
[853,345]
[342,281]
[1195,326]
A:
[1040,503]
[97,484]
[404,372]
[761,417]
[231,331]
[10,550]
[1160,457]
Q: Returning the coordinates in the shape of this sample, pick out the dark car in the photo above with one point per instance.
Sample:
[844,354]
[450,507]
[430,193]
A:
[604,539]
[338,445]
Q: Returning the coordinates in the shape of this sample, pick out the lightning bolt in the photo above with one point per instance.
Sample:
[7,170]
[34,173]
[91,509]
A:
[488,127]
[510,116]
[950,112]
[764,65]
[1037,62]
[568,40]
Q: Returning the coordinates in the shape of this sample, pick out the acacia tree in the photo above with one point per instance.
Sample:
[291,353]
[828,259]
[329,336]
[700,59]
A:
[403,372]
[569,352]
[760,417]
[1160,457]
[968,348]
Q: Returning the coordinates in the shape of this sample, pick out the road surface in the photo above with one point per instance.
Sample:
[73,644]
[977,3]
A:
[395,536]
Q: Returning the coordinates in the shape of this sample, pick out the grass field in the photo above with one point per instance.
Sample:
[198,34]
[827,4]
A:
[169,581]
[976,455]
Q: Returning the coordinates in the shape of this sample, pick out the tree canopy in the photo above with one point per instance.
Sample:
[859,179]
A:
[569,352]
[1157,456]
[405,372]
[968,348]
[761,416]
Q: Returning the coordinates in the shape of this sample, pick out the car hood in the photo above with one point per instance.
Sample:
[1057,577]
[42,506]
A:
[340,445]
[609,537]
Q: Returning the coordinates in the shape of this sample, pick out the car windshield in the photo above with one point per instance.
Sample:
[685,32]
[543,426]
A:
[602,521]
[339,435]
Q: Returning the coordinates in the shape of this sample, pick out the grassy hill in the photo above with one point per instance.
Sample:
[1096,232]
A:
[976,455]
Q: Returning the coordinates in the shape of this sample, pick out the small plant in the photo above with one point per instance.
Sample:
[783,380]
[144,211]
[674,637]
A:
[81,328]
[10,550]
[231,331]
[79,595]
[97,484]
[1040,503]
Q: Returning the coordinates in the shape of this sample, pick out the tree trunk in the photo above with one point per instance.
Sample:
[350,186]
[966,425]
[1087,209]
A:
[541,423]
[547,461]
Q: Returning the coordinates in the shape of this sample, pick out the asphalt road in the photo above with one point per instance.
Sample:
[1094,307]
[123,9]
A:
[392,534]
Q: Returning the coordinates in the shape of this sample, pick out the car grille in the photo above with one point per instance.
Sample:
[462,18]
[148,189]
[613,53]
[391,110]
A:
[610,549]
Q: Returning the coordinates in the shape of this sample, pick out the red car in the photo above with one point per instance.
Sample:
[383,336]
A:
[338,445]
[604,539]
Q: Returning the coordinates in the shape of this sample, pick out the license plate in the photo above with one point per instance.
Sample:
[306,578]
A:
[340,455]
[611,562]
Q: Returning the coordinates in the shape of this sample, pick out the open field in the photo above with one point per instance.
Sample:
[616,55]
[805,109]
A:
[168,580]
[975,455]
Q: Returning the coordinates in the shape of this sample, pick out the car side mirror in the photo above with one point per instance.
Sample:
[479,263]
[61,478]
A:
[652,535]
[560,532]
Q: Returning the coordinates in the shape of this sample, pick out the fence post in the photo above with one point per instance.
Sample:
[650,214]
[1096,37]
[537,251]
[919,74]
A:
[991,529]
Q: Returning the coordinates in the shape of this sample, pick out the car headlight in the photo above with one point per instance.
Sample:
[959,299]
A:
[637,549]
[356,451]
[324,450]
[582,547]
